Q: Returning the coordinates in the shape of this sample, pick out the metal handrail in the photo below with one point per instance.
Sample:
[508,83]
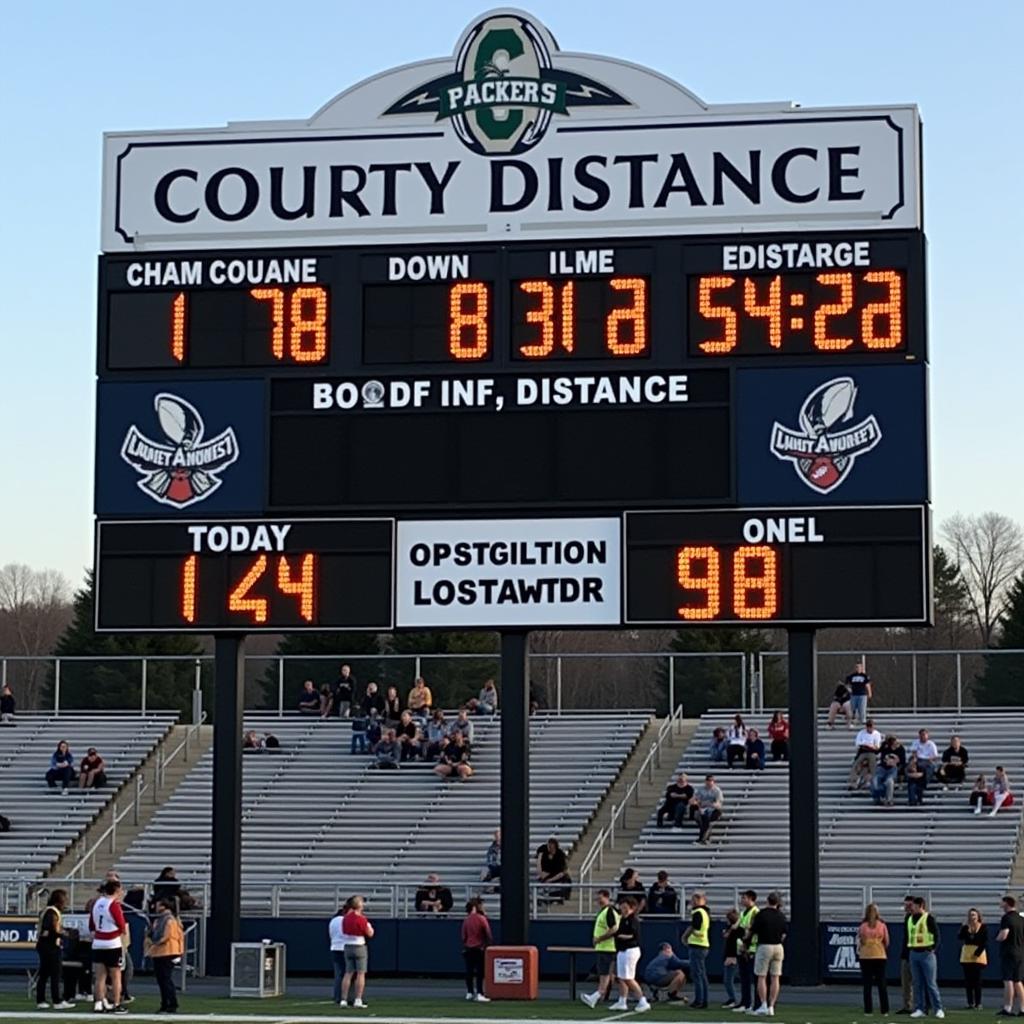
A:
[164,760]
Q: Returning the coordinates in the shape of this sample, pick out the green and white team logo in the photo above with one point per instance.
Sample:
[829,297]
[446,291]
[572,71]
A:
[505,88]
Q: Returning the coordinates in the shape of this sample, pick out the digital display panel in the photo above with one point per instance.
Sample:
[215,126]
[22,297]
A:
[244,575]
[780,566]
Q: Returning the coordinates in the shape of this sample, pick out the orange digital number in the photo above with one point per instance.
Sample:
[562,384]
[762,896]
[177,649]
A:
[730,321]
[891,308]
[468,303]
[188,588]
[178,327]
[239,599]
[543,316]
[307,335]
[630,320]
[303,588]
[709,581]
[770,311]
[844,282]
[745,581]
[275,296]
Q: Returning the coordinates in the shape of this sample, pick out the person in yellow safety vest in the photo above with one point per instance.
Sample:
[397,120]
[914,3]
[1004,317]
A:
[746,948]
[698,938]
[165,946]
[923,940]
[605,924]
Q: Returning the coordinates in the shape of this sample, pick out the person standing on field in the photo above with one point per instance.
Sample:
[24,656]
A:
[49,949]
[107,925]
[476,937]
[923,938]
[166,947]
[769,928]
[627,956]
[605,923]
[747,948]
[1011,957]
[698,938]
[355,930]
[873,954]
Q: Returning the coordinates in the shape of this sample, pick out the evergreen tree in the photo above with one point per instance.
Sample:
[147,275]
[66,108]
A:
[452,681]
[1001,683]
[110,683]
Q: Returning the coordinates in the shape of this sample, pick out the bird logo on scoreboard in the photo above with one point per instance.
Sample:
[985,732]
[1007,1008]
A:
[185,469]
[828,443]
[505,88]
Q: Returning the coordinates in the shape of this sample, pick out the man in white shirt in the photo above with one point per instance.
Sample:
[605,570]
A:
[867,745]
[927,754]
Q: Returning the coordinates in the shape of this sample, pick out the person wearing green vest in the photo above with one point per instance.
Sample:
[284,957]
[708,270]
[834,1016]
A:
[605,924]
[746,948]
[923,940]
[698,938]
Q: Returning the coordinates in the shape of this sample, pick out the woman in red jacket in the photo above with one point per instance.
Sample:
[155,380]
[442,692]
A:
[476,937]
[778,729]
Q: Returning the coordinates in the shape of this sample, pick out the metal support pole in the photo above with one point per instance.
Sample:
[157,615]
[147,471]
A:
[419,666]
[56,687]
[913,674]
[515,791]
[280,687]
[145,674]
[558,684]
[226,864]
[803,942]
[671,684]
[743,673]
[959,684]
[3,671]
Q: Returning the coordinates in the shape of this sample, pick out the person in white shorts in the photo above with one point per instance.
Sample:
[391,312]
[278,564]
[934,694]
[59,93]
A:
[627,956]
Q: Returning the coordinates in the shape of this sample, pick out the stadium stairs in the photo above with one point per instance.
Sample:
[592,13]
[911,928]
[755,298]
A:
[893,850]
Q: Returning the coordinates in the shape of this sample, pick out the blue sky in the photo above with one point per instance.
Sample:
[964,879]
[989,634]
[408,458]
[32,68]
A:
[72,70]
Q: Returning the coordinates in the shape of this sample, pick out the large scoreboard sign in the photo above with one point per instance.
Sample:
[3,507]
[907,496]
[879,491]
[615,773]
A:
[527,339]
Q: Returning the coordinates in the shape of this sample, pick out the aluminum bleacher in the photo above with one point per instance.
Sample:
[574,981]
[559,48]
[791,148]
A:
[44,821]
[316,816]
[892,850]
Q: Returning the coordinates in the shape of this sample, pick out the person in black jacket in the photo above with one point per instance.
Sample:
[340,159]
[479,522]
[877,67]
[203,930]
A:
[677,798]
[661,897]
[973,938]
[49,939]
[373,700]
[343,692]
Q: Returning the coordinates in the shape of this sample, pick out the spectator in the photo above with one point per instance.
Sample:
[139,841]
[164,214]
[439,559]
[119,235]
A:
[755,750]
[421,700]
[388,751]
[358,743]
[326,701]
[708,803]
[462,724]
[747,948]
[476,937]
[355,930]
[605,924]
[666,971]
[408,734]
[271,742]
[107,926]
[979,796]
[492,859]
[859,683]
[627,956]
[769,927]
[250,741]
[717,745]
[866,747]
[954,763]
[487,701]
[1011,957]
[343,693]
[923,939]
[917,781]
[92,771]
[553,866]
[437,735]
[434,898]
[374,731]
[165,948]
[661,897]
[730,957]
[778,730]
[873,953]
[973,938]
[7,706]
[392,707]
[454,760]
[1000,792]
[698,938]
[373,700]
[678,794]
[906,980]
[883,784]
[631,886]
[840,705]
[927,754]
[62,767]
[736,741]
[167,887]
[49,949]
[309,699]
[337,938]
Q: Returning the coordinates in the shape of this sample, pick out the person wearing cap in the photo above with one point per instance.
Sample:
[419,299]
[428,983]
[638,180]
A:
[92,771]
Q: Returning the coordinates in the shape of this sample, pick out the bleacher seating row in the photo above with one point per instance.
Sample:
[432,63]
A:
[315,815]
[894,850]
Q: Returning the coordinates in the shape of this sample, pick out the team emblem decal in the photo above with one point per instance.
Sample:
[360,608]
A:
[184,469]
[505,89]
[825,448]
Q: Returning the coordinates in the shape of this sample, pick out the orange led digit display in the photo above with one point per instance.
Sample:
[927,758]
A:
[755,571]
[710,311]
[891,309]
[770,310]
[307,335]
[303,588]
[749,589]
[822,341]
[699,569]
[239,599]
[626,327]
[275,296]
[468,309]
[543,317]
[178,327]
[188,589]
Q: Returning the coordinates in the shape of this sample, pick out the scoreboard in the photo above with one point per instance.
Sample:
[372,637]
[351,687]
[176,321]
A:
[317,410]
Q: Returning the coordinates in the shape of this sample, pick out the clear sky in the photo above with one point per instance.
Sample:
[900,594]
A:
[69,71]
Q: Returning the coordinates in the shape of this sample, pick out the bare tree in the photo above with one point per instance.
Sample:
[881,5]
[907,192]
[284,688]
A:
[989,552]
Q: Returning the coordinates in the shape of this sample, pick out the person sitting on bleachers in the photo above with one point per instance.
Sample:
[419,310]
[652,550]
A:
[661,897]
[778,730]
[979,796]
[492,859]
[374,731]
[392,707]
[7,705]
[866,747]
[954,763]
[666,972]
[271,742]
[373,700]
[736,740]
[999,791]
[91,772]
[917,781]
[309,699]
[677,795]
[553,866]
[708,801]
[486,702]
[755,750]
[717,745]
[434,898]
[388,751]
[840,705]
[251,741]
[462,724]
[892,745]
[408,734]
[326,701]
[62,767]
[884,781]
[454,760]
[631,886]
[420,701]
[927,753]
[436,735]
